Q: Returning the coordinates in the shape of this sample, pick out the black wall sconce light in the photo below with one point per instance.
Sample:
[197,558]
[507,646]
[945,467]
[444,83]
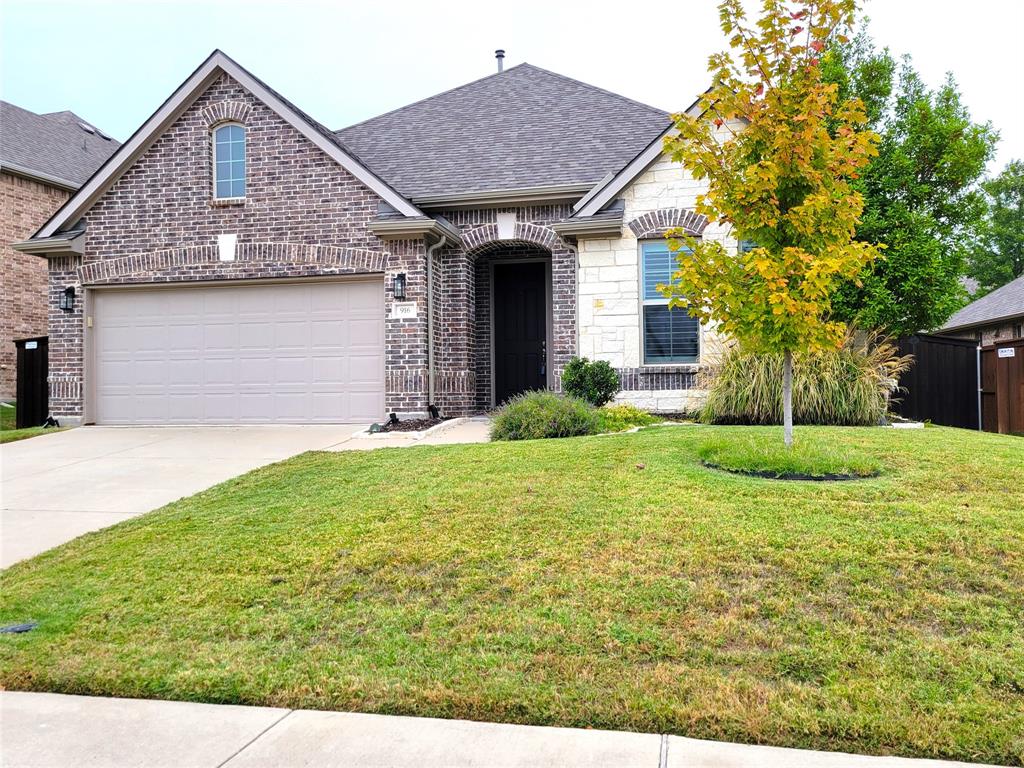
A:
[67,298]
[399,286]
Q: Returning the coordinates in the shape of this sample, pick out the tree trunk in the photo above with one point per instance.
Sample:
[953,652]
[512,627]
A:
[787,398]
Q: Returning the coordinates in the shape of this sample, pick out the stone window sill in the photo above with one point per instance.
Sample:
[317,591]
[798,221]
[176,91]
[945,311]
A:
[226,202]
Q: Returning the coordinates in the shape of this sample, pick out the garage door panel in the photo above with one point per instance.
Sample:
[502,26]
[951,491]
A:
[240,354]
[363,368]
[365,404]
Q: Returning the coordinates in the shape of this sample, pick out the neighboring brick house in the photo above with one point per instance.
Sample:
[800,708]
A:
[995,317]
[43,159]
[238,262]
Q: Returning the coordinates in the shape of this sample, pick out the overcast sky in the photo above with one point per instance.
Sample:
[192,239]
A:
[113,63]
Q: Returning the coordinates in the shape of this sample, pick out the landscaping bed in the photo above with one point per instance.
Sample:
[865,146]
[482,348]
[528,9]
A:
[411,425]
[607,582]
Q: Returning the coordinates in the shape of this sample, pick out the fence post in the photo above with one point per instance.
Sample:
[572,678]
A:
[977,350]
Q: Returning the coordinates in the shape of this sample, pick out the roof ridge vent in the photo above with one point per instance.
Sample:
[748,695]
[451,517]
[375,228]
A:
[87,128]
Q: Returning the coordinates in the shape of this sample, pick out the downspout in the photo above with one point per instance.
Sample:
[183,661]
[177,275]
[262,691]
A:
[430,318]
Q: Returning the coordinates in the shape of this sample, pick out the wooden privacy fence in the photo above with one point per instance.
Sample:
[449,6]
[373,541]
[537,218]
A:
[955,383]
[1002,387]
[942,384]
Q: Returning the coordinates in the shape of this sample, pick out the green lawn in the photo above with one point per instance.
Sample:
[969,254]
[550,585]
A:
[605,581]
[8,433]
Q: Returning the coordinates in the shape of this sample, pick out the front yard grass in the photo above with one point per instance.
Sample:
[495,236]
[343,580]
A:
[8,432]
[607,581]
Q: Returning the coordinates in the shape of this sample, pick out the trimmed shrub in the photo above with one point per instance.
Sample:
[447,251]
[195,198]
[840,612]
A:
[850,386]
[536,415]
[594,381]
[616,418]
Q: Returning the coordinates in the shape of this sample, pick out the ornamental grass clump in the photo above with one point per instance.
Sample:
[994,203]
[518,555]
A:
[537,415]
[849,386]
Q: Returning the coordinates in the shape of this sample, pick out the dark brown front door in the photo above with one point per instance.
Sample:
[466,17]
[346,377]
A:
[520,329]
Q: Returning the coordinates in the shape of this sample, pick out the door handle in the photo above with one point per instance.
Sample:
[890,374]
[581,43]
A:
[543,358]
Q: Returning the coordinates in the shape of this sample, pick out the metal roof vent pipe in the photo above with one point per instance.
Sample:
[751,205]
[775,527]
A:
[500,56]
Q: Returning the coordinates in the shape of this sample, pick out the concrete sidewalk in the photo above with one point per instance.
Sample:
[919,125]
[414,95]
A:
[45,729]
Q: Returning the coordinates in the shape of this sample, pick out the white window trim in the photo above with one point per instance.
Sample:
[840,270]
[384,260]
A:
[643,302]
[213,162]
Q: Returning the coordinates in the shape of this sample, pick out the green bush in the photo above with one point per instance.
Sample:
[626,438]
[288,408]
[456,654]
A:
[616,418]
[536,415]
[594,381]
[847,387]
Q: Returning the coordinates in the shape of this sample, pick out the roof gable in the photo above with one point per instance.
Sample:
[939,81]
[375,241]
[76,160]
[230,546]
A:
[59,147]
[1003,303]
[523,128]
[215,65]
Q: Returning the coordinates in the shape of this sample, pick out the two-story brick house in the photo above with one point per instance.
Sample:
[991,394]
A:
[237,262]
[43,160]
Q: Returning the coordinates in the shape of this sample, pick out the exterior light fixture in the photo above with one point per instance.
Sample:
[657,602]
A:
[67,299]
[399,286]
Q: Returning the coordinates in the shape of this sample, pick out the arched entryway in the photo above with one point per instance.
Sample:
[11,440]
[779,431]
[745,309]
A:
[514,321]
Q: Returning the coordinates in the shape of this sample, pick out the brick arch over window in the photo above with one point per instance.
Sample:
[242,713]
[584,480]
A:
[174,264]
[486,238]
[656,223]
[226,112]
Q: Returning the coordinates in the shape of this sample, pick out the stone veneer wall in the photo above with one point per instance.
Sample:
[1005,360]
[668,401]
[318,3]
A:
[302,215]
[609,291]
[464,370]
[25,205]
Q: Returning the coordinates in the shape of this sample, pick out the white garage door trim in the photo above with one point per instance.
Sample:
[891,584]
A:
[237,352]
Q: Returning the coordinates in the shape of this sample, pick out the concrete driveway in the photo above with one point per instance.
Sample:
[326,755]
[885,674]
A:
[56,487]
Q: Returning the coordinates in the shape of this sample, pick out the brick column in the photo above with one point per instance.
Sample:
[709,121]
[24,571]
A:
[66,329]
[405,340]
[456,369]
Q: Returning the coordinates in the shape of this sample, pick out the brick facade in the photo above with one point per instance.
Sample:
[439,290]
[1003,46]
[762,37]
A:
[465,359]
[24,206]
[992,334]
[303,216]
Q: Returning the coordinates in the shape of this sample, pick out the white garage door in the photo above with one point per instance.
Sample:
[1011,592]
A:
[293,353]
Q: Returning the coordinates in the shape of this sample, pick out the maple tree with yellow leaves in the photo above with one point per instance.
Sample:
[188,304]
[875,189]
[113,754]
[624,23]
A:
[778,150]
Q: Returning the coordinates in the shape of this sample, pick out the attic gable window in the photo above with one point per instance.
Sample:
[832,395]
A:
[229,162]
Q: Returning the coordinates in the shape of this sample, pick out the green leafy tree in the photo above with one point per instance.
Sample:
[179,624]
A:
[921,193]
[998,256]
[779,149]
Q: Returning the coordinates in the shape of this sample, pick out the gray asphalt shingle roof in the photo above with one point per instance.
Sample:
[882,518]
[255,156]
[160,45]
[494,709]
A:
[1002,303]
[54,145]
[521,128]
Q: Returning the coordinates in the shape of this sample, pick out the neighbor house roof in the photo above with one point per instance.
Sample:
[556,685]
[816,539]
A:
[1003,303]
[522,129]
[58,147]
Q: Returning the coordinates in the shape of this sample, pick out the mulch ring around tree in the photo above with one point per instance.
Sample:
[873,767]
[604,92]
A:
[769,475]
